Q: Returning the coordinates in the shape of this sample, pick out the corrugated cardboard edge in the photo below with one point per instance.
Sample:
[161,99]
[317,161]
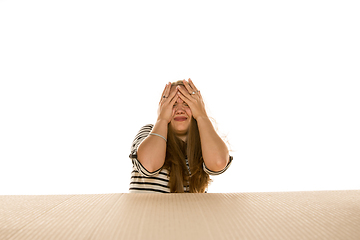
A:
[282,215]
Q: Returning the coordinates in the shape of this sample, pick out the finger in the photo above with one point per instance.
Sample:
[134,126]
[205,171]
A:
[190,95]
[163,93]
[172,103]
[192,85]
[184,98]
[174,99]
[184,92]
[172,95]
[166,91]
[187,86]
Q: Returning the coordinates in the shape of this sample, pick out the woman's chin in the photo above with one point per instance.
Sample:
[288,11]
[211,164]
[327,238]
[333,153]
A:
[180,131]
[180,126]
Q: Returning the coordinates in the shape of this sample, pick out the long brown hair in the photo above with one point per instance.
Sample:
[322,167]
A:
[176,153]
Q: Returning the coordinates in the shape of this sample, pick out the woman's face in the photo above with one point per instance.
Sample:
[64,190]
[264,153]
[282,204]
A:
[181,118]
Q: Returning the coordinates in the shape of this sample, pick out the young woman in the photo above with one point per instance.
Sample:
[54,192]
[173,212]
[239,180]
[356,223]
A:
[182,149]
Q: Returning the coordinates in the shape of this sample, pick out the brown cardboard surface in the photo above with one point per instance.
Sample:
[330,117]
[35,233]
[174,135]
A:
[282,215]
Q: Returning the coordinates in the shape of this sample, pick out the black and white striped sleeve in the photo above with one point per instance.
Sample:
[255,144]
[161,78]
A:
[208,171]
[141,136]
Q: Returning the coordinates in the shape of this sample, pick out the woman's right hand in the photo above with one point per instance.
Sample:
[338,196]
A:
[167,101]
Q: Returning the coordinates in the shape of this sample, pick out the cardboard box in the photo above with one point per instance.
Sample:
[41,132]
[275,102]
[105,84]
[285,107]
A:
[282,215]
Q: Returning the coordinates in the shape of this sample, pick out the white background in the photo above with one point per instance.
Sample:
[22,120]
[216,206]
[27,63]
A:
[80,78]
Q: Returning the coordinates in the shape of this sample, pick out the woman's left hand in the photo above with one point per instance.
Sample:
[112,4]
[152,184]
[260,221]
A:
[190,95]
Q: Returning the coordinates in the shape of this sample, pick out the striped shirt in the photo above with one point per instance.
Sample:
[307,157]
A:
[143,181]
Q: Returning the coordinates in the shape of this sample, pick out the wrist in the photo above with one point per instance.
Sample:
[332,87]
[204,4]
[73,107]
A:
[202,117]
[161,127]
[203,121]
[161,121]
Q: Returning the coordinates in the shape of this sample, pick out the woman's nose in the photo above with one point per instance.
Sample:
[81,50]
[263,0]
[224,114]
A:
[179,110]
[179,100]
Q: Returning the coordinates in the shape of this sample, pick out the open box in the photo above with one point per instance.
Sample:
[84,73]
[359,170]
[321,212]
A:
[278,215]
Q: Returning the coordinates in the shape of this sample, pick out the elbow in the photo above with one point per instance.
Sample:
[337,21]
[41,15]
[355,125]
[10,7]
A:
[152,169]
[218,164]
[222,163]
[148,165]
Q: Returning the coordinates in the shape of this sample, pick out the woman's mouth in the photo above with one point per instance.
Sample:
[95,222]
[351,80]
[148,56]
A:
[180,119]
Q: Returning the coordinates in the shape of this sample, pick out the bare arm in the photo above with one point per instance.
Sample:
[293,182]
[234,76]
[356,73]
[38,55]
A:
[214,150]
[152,151]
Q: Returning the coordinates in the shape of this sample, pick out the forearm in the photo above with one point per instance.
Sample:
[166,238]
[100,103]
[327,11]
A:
[214,150]
[152,151]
